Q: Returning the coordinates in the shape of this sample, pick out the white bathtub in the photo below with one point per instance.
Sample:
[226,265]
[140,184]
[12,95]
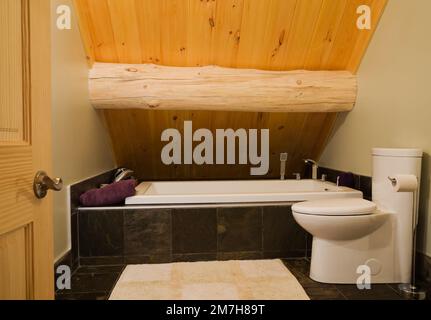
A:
[236,191]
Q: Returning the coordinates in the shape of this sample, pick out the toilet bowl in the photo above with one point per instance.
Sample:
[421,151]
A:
[339,219]
[346,235]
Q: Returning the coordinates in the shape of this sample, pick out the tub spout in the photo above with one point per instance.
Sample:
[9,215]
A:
[315,167]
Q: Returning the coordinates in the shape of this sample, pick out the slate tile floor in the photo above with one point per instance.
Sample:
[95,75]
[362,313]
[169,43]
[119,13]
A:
[97,283]
[320,291]
[92,283]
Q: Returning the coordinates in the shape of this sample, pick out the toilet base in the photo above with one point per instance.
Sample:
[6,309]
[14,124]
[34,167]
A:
[349,262]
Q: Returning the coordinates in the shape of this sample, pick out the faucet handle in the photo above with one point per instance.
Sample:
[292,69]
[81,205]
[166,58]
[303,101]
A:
[297,175]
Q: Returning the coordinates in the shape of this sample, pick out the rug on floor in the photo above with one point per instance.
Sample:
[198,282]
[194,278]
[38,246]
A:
[217,280]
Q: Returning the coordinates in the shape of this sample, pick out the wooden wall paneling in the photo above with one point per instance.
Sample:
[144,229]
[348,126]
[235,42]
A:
[295,133]
[199,40]
[227,33]
[100,29]
[326,28]
[275,34]
[303,25]
[272,35]
[149,26]
[125,30]
[280,18]
[251,39]
[174,21]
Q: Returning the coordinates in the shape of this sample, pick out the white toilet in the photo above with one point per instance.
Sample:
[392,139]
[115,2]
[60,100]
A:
[351,233]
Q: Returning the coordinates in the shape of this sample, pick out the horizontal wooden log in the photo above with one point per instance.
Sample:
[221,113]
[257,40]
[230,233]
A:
[146,86]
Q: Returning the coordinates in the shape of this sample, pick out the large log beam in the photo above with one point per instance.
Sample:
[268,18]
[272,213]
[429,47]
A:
[125,86]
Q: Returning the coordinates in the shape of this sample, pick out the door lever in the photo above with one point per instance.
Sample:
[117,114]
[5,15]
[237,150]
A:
[42,183]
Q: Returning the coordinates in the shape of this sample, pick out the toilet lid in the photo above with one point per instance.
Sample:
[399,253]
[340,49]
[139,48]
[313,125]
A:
[336,207]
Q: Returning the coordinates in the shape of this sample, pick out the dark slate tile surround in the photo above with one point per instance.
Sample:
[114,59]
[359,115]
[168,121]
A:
[131,236]
[186,234]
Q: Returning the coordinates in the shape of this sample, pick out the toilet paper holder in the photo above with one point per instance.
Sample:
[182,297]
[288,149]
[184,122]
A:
[393,181]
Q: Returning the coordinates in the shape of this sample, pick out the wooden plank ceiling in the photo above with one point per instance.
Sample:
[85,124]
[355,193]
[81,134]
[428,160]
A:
[269,35]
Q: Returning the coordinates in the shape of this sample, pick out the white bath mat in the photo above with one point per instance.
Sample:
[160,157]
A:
[218,280]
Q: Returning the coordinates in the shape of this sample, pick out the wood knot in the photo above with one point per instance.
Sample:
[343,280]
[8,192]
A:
[281,37]
[132,70]
[298,82]
[238,37]
[212,23]
[153,104]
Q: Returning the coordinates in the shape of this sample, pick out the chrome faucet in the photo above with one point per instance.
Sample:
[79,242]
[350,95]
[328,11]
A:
[283,159]
[315,167]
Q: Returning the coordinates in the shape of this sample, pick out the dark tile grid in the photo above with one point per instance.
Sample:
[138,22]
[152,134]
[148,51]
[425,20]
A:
[117,237]
[362,183]
[320,291]
[91,283]
[75,191]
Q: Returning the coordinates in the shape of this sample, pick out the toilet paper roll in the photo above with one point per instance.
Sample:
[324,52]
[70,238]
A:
[405,183]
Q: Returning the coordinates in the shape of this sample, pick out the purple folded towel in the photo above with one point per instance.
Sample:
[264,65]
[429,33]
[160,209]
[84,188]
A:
[112,194]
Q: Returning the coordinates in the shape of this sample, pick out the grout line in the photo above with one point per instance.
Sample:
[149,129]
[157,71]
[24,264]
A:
[395,290]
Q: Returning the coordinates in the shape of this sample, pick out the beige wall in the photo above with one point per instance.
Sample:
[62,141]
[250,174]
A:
[81,146]
[394,102]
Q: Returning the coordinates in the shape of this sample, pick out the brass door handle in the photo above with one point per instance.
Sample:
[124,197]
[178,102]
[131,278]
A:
[42,183]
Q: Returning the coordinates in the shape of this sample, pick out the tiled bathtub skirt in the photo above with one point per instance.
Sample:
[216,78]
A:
[134,236]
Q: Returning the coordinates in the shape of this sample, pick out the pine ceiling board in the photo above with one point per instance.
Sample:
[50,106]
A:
[102,32]
[227,32]
[200,27]
[301,33]
[346,37]
[148,14]
[173,20]
[270,34]
[277,30]
[125,28]
[326,28]
[251,53]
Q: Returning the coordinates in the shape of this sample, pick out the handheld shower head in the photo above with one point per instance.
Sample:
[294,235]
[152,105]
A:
[123,174]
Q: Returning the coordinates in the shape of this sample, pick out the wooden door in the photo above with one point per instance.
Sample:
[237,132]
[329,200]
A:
[26,253]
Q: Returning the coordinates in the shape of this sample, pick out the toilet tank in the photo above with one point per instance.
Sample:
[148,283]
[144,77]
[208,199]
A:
[389,163]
